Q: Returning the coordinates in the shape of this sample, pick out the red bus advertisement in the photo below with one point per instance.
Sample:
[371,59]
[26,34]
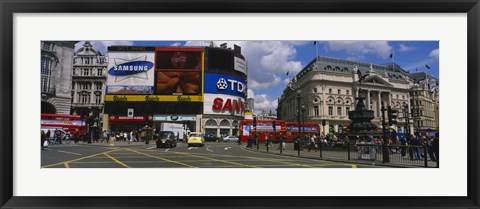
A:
[71,123]
[264,127]
[307,128]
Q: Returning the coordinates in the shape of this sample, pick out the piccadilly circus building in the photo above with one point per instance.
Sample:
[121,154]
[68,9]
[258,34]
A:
[201,89]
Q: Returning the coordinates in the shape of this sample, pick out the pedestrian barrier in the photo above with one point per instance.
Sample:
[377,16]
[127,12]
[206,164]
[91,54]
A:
[367,152]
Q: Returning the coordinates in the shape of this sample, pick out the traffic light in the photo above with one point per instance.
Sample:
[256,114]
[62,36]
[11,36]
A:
[392,116]
[254,121]
[274,125]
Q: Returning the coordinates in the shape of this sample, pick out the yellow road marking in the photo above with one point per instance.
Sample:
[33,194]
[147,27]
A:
[82,158]
[253,158]
[161,158]
[117,161]
[354,166]
[213,159]
[66,165]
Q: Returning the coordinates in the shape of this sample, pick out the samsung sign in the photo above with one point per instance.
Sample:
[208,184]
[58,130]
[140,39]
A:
[130,72]
[130,68]
[225,84]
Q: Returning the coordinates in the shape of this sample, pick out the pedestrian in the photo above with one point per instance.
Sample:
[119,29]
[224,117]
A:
[403,143]
[55,136]
[67,138]
[416,149]
[48,135]
[104,136]
[312,143]
[125,136]
[43,138]
[435,148]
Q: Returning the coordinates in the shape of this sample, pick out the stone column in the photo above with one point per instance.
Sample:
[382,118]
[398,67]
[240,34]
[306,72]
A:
[92,98]
[368,100]
[75,92]
[379,104]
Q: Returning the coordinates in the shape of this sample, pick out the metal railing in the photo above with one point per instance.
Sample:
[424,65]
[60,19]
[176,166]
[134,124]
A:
[366,152]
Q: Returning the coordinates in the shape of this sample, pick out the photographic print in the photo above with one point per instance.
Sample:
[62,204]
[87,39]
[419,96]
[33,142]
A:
[240,104]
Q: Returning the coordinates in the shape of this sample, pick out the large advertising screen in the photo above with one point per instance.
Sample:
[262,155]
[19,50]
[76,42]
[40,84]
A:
[178,71]
[130,72]
[219,104]
[225,84]
[220,59]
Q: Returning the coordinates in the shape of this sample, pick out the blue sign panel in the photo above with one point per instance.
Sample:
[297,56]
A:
[224,84]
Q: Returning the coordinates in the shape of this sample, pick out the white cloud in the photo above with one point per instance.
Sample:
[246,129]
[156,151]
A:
[267,61]
[176,44]
[379,48]
[405,48]
[434,53]
[102,45]
[262,102]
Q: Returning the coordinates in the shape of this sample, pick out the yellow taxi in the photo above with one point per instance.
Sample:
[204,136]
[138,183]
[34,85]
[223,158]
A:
[196,138]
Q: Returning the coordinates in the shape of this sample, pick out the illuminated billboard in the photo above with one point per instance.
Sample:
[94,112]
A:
[220,104]
[225,84]
[130,70]
[179,71]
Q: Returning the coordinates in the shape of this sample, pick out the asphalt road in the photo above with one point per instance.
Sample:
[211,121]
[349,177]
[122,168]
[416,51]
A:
[139,155]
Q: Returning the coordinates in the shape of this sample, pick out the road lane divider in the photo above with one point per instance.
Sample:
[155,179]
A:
[160,158]
[72,153]
[117,161]
[217,160]
[82,158]
[209,149]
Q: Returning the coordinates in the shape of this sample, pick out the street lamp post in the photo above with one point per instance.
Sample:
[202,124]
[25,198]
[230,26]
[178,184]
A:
[303,121]
[407,118]
[414,110]
[299,96]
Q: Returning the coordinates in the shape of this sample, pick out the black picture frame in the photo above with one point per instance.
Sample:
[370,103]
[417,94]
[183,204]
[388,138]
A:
[10,7]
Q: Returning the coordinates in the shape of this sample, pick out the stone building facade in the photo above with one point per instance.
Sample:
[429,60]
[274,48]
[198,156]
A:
[88,82]
[56,76]
[425,102]
[329,87]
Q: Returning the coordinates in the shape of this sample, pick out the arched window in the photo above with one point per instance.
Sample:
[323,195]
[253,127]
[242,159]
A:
[224,123]
[235,123]
[211,122]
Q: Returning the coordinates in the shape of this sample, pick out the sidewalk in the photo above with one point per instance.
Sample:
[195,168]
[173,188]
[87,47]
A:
[339,155]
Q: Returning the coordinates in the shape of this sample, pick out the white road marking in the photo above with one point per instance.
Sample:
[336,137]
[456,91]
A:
[167,150]
[192,148]
[73,153]
[209,149]
[226,148]
[149,147]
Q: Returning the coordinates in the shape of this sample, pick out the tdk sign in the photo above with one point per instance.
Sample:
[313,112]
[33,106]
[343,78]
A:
[130,68]
[224,84]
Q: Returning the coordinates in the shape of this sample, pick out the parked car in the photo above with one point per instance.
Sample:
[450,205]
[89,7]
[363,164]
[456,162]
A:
[166,139]
[196,138]
[211,138]
[230,139]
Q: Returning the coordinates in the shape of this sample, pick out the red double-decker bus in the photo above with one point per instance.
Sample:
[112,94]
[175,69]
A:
[264,127]
[71,123]
[306,128]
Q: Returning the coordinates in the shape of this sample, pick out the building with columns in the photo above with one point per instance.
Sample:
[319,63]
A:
[88,82]
[56,76]
[329,87]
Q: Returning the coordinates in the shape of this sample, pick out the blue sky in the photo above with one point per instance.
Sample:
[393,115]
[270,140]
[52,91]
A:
[268,61]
